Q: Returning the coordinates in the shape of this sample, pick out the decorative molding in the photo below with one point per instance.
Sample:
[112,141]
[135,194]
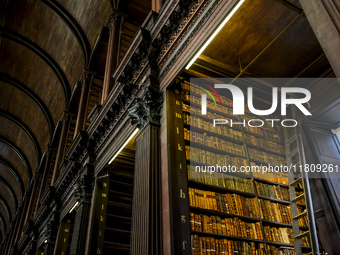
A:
[33,96]
[15,37]
[73,25]
[84,187]
[20,154]
[146,108]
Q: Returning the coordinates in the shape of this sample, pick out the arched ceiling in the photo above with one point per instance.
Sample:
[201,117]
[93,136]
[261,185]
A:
[44,46]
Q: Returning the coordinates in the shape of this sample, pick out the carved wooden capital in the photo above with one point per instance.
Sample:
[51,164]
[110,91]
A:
[114,19]
[83,188]
[85,76]
[147,108]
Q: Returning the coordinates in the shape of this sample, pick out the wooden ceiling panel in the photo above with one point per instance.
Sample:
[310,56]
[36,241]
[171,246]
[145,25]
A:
[26,112]
[90,19]
[35,21]
[9,178]
[13,159]
[295,49]
[249,31]
[16,135]
[26,70]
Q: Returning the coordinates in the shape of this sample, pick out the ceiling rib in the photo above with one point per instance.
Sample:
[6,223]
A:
[73,25]
[33,96]
[20,154]
[11,35]
[8,210]
[14,173]
[25,128]
[2,220]
[10,190]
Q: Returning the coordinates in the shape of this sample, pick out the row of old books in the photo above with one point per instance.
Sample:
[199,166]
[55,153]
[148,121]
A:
[279,235]
[264,143]
[209,115]
[275,211]
[218,179]
[197,89]
[210,105]
[213,246]
[212,159]
[272,191]
[214,142]
[224,130]
[267,157]
[274,250]
[226,203]
[264,133]
[302,221]
[266,123]
[225,226]
[302,200]
[268,174]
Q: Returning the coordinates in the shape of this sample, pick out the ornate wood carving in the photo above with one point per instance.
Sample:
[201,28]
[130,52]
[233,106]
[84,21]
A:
[84,187]
[146,108]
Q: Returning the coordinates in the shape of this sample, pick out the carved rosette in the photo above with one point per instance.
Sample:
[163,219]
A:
[147,108]
[83,188]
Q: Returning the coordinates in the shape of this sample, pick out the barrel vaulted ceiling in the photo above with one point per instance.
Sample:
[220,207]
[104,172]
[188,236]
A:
[44,46]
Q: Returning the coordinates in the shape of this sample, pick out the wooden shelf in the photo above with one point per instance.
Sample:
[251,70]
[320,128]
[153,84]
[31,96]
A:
[261,136]
[195,184]
[234,238]
[226,138]
[265,150]
[270,182]
[223,214]
[274,200]
[212,149]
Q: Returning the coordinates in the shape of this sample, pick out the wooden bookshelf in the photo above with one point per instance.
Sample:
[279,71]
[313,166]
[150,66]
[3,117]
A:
[187,183]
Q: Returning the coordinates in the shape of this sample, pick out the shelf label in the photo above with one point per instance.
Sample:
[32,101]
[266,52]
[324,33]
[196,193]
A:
[182,194]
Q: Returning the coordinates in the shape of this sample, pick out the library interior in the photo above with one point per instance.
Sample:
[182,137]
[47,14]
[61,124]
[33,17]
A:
[170,127]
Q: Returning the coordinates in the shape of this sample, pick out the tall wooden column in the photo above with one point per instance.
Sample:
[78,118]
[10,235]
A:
[85,81]
[112,57]
[83,192]
[146,207]
[324,18]
[66,120]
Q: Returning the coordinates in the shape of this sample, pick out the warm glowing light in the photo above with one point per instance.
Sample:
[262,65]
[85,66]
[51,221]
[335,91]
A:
[123,146]
[214,34]
[75,205]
